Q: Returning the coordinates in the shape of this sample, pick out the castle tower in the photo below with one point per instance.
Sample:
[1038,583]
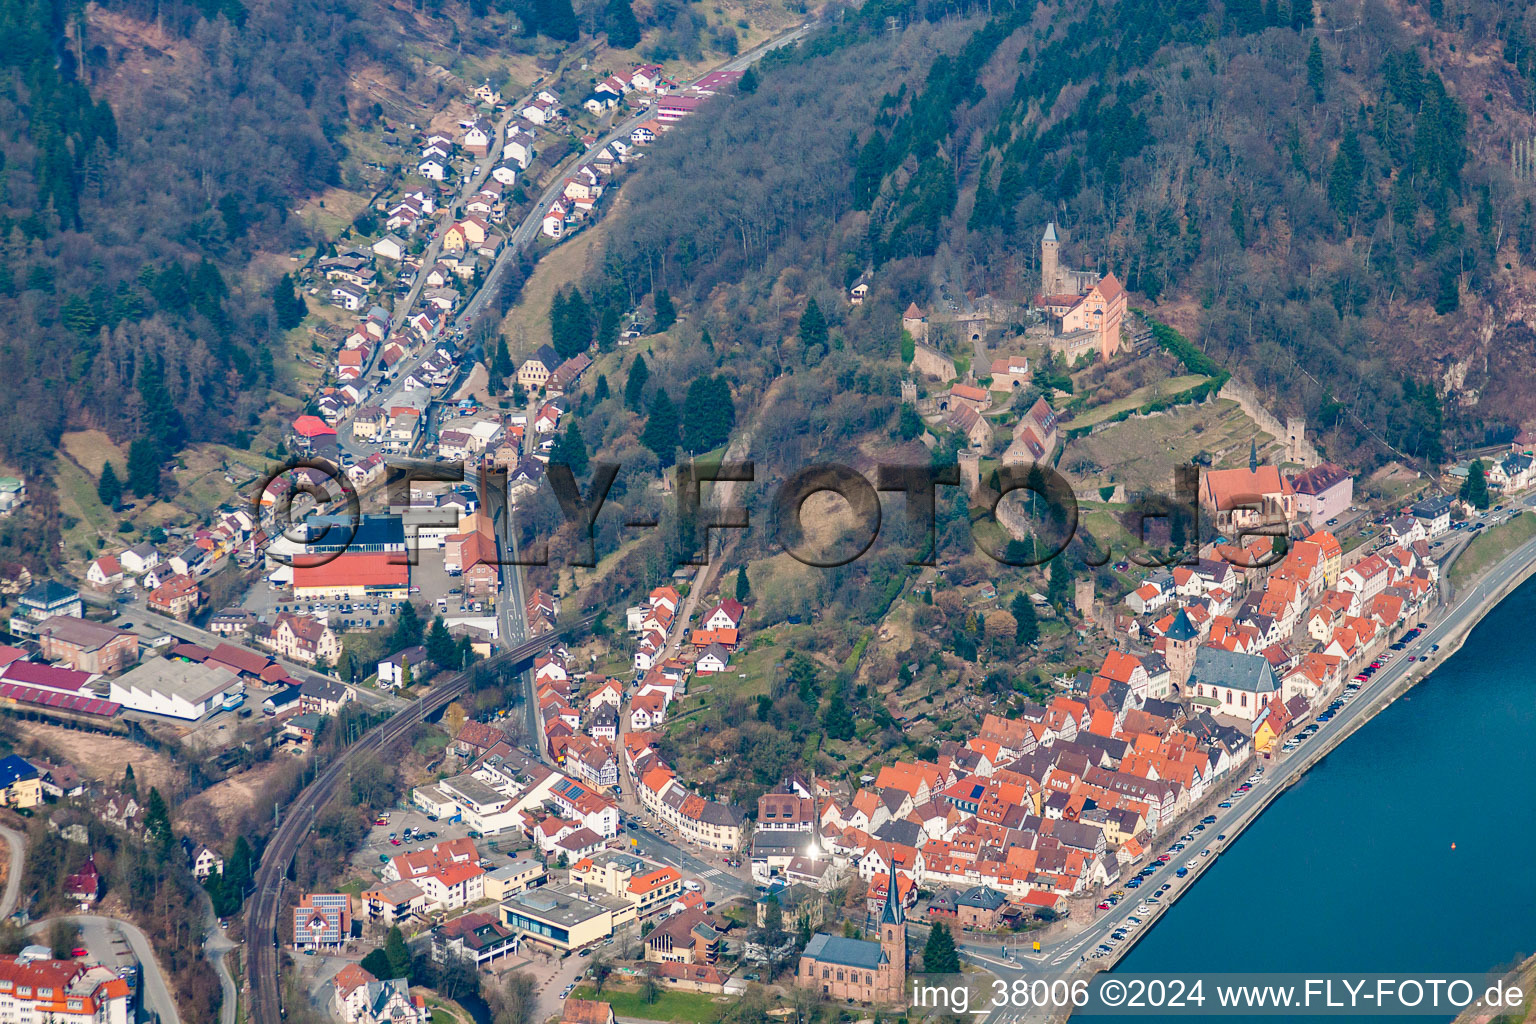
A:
[1296,440]
[1082,599]
[970,469]
[1182,641]
[915,323]
[893,940]
[1050,262]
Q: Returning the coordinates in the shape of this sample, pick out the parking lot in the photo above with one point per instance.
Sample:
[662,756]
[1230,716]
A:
[429,583]
[497,849]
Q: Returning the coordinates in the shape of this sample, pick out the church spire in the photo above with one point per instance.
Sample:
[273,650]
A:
[1253,456]
[893,913]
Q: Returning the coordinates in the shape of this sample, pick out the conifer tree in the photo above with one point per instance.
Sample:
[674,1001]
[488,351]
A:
[660,434]
[939,954]
[634,387]
[620,24]
[108,489]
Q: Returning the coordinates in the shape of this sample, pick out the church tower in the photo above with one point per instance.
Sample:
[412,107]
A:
[1050,262]
[893,939]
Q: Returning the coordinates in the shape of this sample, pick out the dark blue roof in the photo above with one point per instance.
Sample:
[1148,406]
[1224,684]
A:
[14,768]
[49,593]
[834,949]
[1182,628]
[1216,666]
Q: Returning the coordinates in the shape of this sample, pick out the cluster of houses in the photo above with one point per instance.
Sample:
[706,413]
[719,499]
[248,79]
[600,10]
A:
[1033,810]
[505,791]
[709,647]
[580,729]
[76,669]
[645,86]
[1314,617]
[640,86]
[1069,796]
[478,910]
[169,581]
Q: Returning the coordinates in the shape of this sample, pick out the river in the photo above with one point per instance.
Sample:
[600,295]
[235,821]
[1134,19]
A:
[1354,869]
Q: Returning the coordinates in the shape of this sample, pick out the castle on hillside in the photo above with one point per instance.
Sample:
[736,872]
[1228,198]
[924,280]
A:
[865,972]
[1056,279]
[1085,310]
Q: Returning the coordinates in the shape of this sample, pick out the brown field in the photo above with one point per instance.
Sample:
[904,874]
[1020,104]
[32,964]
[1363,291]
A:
[91,449]
[526,324]
[102,757]
[225,802]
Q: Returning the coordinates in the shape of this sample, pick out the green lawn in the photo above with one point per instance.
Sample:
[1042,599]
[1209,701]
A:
[1495,543]
[77,498]
[679,1007]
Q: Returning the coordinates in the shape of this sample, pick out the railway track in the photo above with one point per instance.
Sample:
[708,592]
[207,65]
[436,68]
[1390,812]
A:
[264,942]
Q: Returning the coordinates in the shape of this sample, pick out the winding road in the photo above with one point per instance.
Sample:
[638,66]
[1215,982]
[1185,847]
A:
[94,928]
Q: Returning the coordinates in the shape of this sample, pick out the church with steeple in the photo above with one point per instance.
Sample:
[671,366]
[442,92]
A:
[857,969]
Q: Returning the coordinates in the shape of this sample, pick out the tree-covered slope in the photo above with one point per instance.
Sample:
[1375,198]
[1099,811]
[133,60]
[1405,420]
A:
[1322,198]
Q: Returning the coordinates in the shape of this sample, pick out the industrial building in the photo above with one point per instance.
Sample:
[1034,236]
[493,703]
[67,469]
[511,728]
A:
[177,689]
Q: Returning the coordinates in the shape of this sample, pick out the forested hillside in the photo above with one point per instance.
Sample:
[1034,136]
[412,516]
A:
[1321,198]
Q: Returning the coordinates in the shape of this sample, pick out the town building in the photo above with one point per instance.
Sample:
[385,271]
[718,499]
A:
[42,602]
[322,920]
[564,917]
[448,873]
[857,969]
[87,646]
[1323,492]
[36,989]
[354,577]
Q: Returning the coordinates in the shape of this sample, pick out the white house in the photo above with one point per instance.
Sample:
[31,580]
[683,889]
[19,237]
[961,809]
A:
[389,247]
[432,168]
[714,659]
[1147,598]
[139,558]
[541,111]
[519,149]
[104,572]
[725,615]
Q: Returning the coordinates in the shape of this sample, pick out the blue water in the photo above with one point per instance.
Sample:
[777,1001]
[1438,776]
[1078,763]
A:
[1352,869]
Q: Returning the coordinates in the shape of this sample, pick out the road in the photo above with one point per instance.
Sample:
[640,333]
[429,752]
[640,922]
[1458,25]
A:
[1062,957]
[512,614]
[216,945]
[101,935]
[263,958]
[17,844]
[720,883]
